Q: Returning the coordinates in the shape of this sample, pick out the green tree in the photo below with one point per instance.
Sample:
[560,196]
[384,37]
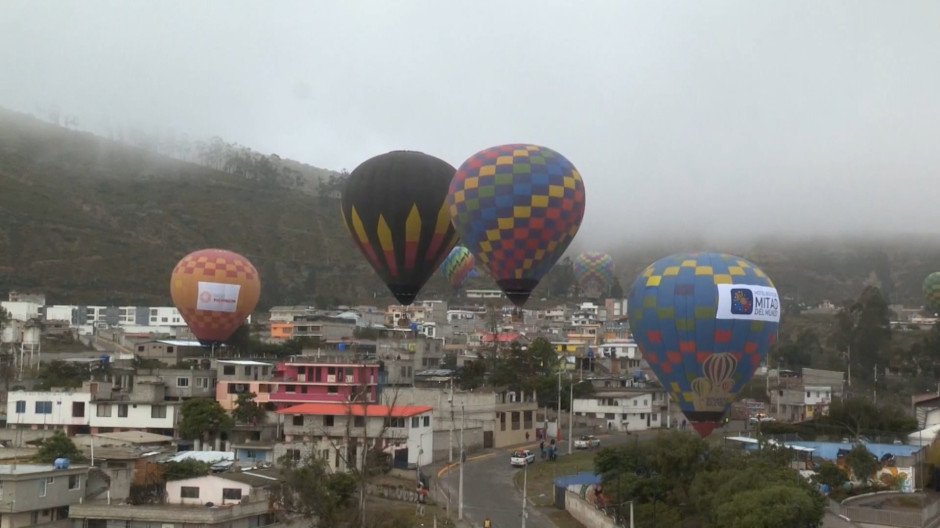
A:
[521,369]
[616,290]
[863,331]
[830,475]
[185,469]
[863,463]
[58,446]
[203,419]
[61,374]
[472,375]
[769,506]
[247,411]
[309,489]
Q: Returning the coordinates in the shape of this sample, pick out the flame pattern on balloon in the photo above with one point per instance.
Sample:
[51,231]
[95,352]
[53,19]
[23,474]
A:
[704,316]
[932,292]
[458,266]
[594,272]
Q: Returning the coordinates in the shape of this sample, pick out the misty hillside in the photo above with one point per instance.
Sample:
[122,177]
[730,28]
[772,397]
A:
[89,220]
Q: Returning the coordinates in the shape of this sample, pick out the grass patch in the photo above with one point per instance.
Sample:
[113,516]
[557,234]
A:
[541,475]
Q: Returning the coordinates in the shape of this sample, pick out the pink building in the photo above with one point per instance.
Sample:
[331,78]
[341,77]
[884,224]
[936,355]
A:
[303,382]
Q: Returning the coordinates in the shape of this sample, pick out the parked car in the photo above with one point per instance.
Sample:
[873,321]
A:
[587,442]
[522,457]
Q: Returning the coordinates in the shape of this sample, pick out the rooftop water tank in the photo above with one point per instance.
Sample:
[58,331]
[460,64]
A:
[61,463]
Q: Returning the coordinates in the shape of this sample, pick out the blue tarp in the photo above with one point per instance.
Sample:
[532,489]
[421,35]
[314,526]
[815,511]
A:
[830,450]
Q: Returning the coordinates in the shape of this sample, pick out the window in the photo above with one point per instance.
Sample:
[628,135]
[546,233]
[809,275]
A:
[332,389]
[416,421]
[290,389]
[328,421]
[75,482]
[515,421]
[298,419]
[427,421]
[158,411]
[169,349]
[20,406]
[325,454]
[502,421]
[202,383]
[293,454]
[394,422]
[44,407]
[247,370]
[359,421]
[182,382]
[78,409]
[122,410]
[189,492]
[526,420]
[231,494]
[228,370]
[104,410]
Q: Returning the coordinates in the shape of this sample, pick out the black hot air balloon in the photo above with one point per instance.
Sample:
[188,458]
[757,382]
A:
[395,207]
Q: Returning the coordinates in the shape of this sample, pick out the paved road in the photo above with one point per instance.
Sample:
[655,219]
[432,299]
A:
[489,489]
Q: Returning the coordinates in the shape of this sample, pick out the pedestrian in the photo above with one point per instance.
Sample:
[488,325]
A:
[542,449]
[526,436]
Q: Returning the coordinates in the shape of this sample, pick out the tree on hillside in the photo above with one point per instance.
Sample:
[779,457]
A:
[203,419]
[247,411]
[616,290]
[58,446]
[310,490]
[520,370]
[863,331]
[560,279]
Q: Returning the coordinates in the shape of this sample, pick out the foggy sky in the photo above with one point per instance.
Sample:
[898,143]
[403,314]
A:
[716,118]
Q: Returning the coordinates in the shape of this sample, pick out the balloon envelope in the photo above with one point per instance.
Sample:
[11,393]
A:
[932,292]
[215,290]
[517,208]
[395,208]
[594,271]
[458,266]
[705,322]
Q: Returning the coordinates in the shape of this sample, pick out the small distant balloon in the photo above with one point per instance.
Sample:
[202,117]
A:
[395,208]
[517,208]
[458,266]
[704,322]
[215,291]
[594,272]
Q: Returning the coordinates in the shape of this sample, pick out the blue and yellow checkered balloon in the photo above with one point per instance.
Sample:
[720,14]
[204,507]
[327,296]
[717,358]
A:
[705,322]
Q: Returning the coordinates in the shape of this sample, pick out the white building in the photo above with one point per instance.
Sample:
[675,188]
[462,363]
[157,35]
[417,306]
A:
[625,410]
[22,310]
[95,406]
[166,316]
[619,350]
[484,294]
[60,312]
[326,429]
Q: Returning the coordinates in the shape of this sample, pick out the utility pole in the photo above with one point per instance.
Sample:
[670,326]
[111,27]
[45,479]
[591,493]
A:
[525,482]
[558,420]
[570,415]
[450,452]
[463,421]
[874,388]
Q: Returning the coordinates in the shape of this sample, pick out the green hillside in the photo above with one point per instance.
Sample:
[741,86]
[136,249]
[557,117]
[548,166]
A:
[88,220]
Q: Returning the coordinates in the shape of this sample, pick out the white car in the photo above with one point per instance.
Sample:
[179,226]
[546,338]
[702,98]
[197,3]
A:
[587,442]
[521,458]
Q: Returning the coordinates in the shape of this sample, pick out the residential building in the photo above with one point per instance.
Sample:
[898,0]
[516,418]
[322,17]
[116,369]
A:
[181,384]
[624,410]
[39,495]
[395,314]
[22,310]
[287,314]
[240,376]
[800,402]
[321,327]
[341,433]
[237,499]
[403,352]
[253,443]
[143,409]
[169,351]
[307,380]
[484,294]
[68,410]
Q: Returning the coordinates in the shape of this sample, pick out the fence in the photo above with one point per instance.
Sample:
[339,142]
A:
[878,513]
[586,513]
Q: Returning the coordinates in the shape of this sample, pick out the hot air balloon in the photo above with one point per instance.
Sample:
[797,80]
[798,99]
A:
[458,266]
[517,208]
[705,322]
[932,292]
[594,272]
[395,208]
[215,291]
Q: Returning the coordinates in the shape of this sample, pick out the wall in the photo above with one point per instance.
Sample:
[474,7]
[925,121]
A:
[61,408]
[24,492]
[585,513]
[210,490]
[139,416]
